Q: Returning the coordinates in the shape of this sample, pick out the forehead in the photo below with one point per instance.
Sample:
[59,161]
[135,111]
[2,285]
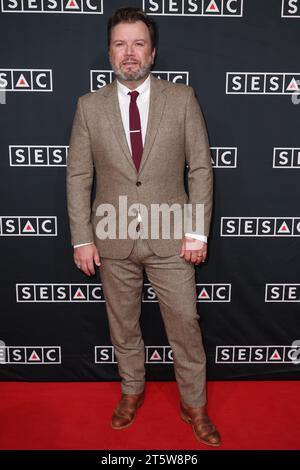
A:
[136,30]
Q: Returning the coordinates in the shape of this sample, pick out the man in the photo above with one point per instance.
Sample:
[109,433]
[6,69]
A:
[137,134]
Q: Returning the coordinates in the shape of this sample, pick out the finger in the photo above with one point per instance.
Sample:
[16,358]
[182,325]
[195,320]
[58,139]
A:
[85,269]
[90,265]
[194,257]
[78,263]
[187,256]
[199,258]
[182,250]
[97,260]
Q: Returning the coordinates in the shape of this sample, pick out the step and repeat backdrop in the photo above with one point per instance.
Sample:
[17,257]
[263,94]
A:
[242,58]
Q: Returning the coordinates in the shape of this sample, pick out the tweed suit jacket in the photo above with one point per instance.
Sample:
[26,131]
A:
[176,140]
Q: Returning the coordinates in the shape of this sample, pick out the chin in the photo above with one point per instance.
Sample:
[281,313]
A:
[132,76]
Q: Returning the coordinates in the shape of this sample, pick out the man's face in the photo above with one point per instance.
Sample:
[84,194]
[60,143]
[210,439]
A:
[130,51]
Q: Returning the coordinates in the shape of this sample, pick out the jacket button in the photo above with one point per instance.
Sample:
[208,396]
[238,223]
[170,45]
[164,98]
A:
[138,183]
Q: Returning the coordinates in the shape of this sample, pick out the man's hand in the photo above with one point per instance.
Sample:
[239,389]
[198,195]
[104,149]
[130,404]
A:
[193,250]
[85,257]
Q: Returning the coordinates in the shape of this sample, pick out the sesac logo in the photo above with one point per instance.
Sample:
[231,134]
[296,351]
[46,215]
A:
[52,6]
[59,293]
[93,293]
[28,226]
[26,79]
[100,78]
[30,354]
[194,7]
[256,354]
[260,227]
[286,157]
[290,9]
[282,293]
[224,157]
[205,293]
[153,355]
[38,155]
[256,83]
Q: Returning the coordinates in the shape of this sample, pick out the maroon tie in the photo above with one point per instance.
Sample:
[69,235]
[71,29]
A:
[135,129]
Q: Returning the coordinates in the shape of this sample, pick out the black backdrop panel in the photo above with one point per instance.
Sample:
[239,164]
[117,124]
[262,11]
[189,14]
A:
[241,57]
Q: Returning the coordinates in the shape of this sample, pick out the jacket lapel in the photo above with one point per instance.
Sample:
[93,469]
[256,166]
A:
[156,108]
[114,115]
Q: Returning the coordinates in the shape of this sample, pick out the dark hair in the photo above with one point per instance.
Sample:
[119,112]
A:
[131,15]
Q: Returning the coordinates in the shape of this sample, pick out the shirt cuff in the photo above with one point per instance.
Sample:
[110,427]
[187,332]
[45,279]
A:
[83,244]
[203,238]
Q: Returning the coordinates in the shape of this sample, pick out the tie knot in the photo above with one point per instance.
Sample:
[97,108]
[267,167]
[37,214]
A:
[133,95]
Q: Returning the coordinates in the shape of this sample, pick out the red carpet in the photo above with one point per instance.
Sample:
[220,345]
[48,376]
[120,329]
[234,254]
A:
[249,415]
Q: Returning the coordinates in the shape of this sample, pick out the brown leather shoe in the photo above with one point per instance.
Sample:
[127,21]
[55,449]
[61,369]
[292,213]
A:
[126,409]
[204,429]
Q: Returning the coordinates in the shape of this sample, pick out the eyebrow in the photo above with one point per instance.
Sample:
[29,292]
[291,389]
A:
[121,40]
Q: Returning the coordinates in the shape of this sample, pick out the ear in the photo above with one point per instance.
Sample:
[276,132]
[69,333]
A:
[153,53]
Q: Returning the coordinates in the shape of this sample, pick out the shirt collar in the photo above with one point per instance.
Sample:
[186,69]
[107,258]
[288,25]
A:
[141,88]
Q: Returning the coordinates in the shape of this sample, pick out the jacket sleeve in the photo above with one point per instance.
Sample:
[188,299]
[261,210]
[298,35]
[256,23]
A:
[80,172]
[200,172]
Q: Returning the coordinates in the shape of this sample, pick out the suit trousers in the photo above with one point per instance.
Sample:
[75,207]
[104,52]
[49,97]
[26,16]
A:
[173,280]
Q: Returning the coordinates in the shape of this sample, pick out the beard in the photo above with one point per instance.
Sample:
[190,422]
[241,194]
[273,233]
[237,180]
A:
[133,75]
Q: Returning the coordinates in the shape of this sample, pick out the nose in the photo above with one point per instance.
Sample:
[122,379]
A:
[129,50]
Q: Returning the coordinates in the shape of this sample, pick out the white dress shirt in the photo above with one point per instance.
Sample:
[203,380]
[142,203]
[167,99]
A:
[143,101]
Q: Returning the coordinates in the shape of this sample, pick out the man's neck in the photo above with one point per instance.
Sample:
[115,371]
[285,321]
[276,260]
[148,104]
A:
[133,85]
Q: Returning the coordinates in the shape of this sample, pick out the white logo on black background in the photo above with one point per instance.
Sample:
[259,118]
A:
[282,293]
[262,83]
[260,227]
[205,293]
[28,226]
[59,293]
[153,355]
[194,7]
[286,157]
[27,80]
[255,354]
[290,9]
[100,78]
[224,157]
[53,6]
[38,155]
[38,355]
